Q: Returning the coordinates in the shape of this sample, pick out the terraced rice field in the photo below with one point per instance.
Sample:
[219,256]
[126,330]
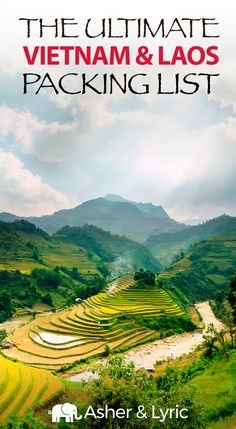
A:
[87,329]
[22,387]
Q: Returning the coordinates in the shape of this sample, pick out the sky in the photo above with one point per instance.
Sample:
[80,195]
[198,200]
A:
[57,151]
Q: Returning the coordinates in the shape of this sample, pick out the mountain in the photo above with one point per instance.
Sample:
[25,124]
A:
[205,270]
[8,217]
[109,247]
[24,246]
[75,262]
[113,213]
[166,246]
[155,211]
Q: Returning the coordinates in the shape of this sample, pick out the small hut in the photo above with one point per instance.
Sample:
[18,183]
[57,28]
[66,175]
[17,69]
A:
[7,344]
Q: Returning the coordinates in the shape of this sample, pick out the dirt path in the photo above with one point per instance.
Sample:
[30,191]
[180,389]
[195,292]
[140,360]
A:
[17,321]
[14,323]
[171,347]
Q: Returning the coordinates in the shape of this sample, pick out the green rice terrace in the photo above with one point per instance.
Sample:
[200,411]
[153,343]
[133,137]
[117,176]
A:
[104,321]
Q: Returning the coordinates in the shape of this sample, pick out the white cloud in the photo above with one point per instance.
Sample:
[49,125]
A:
[144,155]
[22,192]
[177,151]
[46,140]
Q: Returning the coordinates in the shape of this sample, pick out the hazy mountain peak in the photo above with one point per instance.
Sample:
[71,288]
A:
[112,213]
[115,198]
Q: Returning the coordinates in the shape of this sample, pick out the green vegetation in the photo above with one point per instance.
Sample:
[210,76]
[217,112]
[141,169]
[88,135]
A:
[57,287]
[145,277]
[3,334]
[28,421]
[6,309]
[91,250]
[232,296]
[206,387]
[35,267]
[168,325]
[109,247]
[24,247]
[76,263]
[121,386]
[205,270]
[166,246]
[216,388]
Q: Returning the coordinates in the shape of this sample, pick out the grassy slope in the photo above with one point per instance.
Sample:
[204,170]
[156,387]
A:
[167,245]
[110,247]
[206,269]
[82,247]
[216,387]
[16,255]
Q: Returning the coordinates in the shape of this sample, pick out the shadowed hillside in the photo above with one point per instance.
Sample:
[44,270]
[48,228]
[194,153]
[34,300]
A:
[167,245]
[205,270]
[112,213]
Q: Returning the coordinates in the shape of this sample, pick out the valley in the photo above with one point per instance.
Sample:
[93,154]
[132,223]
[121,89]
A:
[109,321]
[167,246]
[36,268]
[79,295]
[172,347]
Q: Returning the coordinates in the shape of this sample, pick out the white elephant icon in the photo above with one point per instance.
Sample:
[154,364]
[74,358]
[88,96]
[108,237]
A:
[66,411]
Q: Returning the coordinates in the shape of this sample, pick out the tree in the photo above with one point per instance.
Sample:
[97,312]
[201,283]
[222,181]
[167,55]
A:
[232,296]
[47,299]
[228,319]
[170,390]
[35,254]
[107,350]
[145,277]
[118,386]
[28,421]
[210,341]
[3,334]
[6,308]
[46,278]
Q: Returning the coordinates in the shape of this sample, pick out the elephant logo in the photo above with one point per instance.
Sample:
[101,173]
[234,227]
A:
[66,411]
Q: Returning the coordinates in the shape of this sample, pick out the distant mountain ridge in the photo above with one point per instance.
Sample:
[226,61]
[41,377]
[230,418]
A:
[113,213]
[150,208]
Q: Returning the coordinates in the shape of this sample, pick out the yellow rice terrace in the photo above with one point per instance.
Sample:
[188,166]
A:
[107,321]
[22,387]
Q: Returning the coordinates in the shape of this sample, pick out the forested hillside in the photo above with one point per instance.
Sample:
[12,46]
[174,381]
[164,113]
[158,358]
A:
[205,270]
[166,246]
